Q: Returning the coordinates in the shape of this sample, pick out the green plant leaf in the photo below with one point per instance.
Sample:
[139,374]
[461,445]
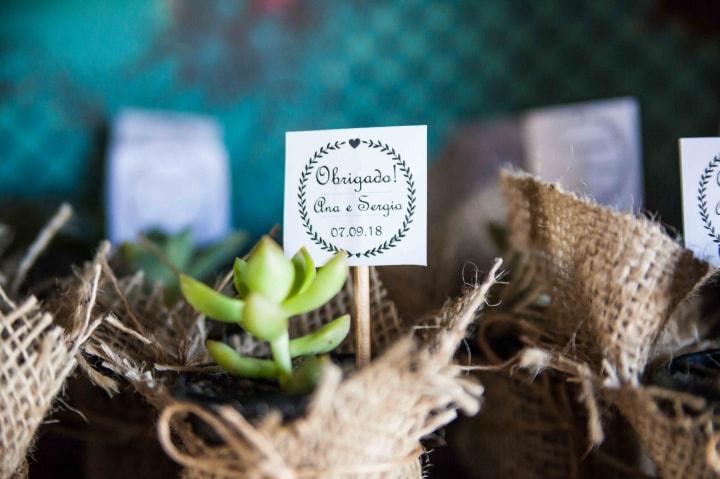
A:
[141,259]
[239,272]
[306,377]
[323,340]
[217,255]
[264,319]
[238,365]
[178,248]
[211,303]
[328,281]
[280,348]
[304,272]
[269,272]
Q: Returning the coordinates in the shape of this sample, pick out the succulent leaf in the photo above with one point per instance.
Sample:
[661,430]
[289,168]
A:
[280,348]
[140,258]
[269,272]
[239,365]
[328,281]
[211,303]
[209,260]
[179,248]
[304,272]
[323,340]
[239,272]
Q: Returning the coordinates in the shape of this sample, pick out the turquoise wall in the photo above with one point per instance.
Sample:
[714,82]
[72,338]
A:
[268,66]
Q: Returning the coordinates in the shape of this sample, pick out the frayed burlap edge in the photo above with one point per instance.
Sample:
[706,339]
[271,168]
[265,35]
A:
[36,354]
[622,294]
[614,279]
[678,430]
[542,425]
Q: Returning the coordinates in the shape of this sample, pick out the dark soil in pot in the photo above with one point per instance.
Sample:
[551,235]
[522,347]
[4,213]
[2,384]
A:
[252,398]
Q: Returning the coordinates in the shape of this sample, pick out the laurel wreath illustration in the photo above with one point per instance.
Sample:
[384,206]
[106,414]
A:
[702,199]
[410,193]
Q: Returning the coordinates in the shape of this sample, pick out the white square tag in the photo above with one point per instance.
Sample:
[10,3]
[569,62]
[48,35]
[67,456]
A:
[362,190]
[168,171]
[592,148]
[700,176]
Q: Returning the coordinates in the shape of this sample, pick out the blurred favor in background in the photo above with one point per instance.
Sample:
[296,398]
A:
[591,148]
[167,171]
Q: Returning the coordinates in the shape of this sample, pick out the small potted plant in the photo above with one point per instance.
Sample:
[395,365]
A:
[274,348]
[270,290]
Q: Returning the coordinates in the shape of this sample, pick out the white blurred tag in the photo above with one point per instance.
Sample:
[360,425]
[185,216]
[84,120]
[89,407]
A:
[700,175]
[361,190]
[592,148]
[168,171]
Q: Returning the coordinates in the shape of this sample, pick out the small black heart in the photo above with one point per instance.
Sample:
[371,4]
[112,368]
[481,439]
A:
[354,143]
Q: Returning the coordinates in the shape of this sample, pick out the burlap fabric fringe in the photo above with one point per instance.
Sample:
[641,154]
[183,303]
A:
[366,425]
[622,294]
[542,425]
[36,355]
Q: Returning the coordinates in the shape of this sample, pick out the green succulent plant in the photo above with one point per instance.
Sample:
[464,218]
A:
[161,256]
[271,289]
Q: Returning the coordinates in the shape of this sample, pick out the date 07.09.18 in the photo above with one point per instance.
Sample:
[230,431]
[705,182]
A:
[355,231]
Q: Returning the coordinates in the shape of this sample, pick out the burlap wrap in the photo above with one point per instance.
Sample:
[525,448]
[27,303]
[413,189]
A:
[36,354]
[622,294]
[614,279]
[527,430]
[365,425]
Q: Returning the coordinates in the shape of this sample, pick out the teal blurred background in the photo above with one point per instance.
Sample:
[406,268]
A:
[264,67]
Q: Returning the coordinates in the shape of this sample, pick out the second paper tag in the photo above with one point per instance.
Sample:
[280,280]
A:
[700,172]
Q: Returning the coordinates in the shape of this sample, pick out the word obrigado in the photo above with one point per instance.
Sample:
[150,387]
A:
[363,205]
[325,175]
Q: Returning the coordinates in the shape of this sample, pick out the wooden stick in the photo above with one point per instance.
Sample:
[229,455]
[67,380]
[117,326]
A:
[361,314]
